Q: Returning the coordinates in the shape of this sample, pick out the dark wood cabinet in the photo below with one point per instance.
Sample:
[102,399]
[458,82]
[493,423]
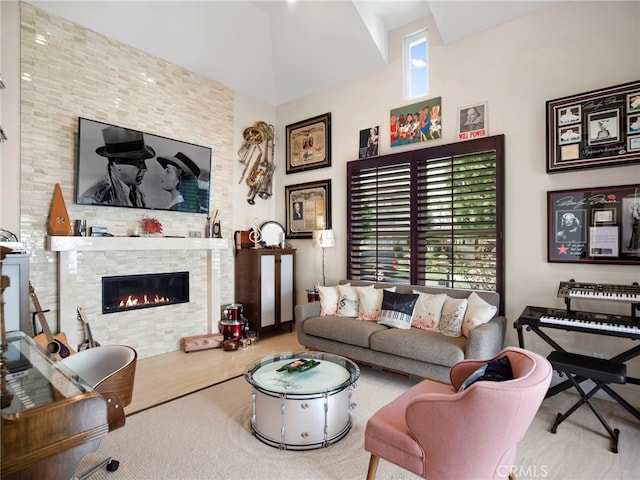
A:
[265,286]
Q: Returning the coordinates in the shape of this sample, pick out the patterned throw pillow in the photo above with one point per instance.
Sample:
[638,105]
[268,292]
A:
[452,316]
[371,303]
[349,299]
[478,312]
[426,316]
[328,300]
[397,309]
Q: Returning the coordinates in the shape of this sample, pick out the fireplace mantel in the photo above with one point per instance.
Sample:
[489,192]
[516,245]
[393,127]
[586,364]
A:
[68,250]
[69,244]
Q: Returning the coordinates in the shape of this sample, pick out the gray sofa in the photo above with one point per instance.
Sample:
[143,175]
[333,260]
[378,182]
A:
[414,351]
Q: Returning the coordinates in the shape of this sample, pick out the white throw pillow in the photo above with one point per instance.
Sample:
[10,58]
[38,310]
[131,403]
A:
[426,315]
[452,316]
[349,299]
[328,300]
[478,312]
[371,303]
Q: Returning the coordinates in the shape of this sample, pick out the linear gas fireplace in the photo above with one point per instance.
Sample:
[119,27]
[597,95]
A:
[128,292]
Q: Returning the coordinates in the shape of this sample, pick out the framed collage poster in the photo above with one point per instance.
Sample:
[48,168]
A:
[308,208]
[309,144]
[597,225]
[594,129]
[415,123]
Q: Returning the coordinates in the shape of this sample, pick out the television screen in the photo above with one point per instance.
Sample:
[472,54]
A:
[127,168]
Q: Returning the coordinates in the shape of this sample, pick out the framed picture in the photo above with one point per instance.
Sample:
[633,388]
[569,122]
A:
[308,208]
[415,123]
[596,225]
[593,129]
[473,121]
[153,172]
[369,142]
[309,144]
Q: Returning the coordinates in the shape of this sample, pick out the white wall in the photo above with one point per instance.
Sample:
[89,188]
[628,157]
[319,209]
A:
[563,50]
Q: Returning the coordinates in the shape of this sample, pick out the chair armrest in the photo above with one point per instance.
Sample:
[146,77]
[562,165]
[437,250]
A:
[306,310]
[115,411]
[487,339]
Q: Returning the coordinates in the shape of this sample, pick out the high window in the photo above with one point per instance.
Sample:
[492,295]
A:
[432,216]
[415,65]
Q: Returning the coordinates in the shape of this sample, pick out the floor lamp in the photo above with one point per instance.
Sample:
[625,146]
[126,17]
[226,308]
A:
[323,239]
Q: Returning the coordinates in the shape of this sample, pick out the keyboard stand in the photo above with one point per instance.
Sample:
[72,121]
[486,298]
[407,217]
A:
[599,370]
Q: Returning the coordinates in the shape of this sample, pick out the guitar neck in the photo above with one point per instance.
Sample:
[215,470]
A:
[41,318]
[87,328]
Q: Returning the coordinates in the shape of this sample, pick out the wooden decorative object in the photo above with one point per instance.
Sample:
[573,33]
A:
[202,342]
[59,223]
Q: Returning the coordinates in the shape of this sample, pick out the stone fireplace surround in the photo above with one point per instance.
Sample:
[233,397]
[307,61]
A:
[82,261]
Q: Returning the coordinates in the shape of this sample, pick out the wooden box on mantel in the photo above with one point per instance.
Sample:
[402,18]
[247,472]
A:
[202,342]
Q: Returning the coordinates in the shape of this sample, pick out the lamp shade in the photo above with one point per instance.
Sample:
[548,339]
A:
[323,238]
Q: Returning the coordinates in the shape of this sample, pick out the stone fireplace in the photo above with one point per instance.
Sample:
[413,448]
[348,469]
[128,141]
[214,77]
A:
[84,261]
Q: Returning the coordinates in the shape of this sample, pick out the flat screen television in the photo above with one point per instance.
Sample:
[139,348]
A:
[122,167]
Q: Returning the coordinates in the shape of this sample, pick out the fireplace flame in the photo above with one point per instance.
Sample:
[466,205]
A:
[133,301]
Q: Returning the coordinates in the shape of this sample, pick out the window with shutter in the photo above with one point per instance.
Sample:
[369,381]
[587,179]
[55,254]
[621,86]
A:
[432,216]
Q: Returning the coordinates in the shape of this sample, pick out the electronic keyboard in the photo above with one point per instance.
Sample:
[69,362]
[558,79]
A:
[600,291]
[587,322]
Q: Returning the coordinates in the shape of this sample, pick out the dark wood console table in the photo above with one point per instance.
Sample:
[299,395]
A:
[53,420]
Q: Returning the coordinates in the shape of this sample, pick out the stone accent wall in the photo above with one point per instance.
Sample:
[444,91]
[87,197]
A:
[69,71]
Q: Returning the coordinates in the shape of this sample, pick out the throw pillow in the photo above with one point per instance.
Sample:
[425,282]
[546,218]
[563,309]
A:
[426,316]
[478,312]
[328,300]
[371,303]
[397,309]
[452,316]
[497,370]
[349,299]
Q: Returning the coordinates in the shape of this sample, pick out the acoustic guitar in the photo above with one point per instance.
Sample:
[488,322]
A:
[89,342]
[56,345]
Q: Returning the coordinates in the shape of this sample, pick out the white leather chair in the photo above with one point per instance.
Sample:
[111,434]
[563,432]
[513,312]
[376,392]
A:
[110,371]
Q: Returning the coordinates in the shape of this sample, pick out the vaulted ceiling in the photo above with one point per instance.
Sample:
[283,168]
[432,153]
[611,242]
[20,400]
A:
[278,51]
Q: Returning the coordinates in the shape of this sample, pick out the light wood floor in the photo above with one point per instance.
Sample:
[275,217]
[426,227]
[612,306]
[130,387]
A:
[172,375]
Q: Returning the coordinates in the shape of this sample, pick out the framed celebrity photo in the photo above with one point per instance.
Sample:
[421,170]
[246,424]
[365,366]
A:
[309,144]
[595,225]
[598,126]
[308,208]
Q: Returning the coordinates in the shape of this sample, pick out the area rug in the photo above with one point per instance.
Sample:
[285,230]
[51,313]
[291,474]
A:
[207,435]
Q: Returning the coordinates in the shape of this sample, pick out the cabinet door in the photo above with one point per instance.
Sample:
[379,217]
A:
[286,287]
[268,290]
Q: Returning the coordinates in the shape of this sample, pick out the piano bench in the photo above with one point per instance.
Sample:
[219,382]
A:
[601,371]
[589,367]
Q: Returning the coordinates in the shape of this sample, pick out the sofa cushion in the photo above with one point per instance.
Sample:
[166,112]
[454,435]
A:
[342,329]
[371,303]
[397,309]
[478,312]
[328,300]
[349,299]
[452,316]
[422,345]
[428,310]
[498,370]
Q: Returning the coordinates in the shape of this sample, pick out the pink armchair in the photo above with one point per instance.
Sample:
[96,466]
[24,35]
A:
[436,432]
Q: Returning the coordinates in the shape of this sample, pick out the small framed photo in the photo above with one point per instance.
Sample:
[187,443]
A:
[633,124]
[570,134]
[633,144]
[604,127]
[633,102]
[604,216]
[369,142]
[308,208]
[309,144]
[473,121]
[569,115]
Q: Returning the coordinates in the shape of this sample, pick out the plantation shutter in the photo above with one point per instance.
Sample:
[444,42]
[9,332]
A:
[380,223]
[457,221]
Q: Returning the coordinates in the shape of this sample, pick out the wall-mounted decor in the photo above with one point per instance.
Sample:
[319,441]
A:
[596,225]
[127,168]
[369,142]
[309,144]
[473,121]
[594,129]
[419,122]
[308,208]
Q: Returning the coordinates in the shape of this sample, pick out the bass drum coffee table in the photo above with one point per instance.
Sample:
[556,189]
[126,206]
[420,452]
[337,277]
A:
[301,401]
